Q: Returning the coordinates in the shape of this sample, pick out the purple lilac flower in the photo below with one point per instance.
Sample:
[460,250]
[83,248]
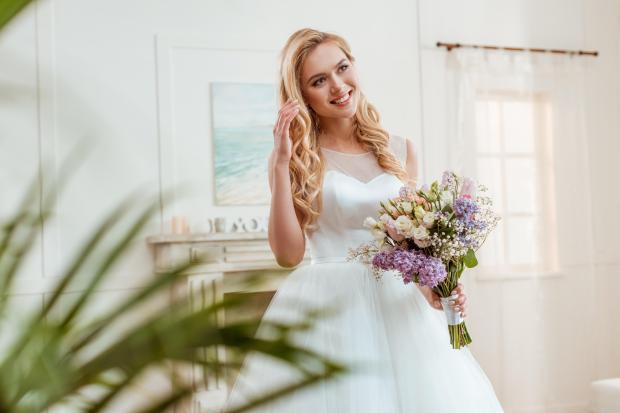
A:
[383,260]
[432,272]
[408,263]
[465,208]
[406,192]
[448,179]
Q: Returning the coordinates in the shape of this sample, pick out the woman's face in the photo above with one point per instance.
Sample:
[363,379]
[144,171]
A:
[329,82]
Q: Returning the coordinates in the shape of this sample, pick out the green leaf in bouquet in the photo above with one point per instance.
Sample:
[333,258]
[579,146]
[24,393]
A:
[447,209]
[470,259]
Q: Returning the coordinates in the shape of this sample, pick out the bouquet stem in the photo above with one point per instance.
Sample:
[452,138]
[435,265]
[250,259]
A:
[459,336]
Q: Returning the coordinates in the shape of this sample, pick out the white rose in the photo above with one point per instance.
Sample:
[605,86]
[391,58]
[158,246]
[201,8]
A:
[407,207]
[370,222]
[446,198]
[428,220]
[420,233]
[404,225]
[378,234]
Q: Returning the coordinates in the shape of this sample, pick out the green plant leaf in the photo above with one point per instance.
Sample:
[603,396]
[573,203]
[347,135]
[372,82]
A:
[470,259]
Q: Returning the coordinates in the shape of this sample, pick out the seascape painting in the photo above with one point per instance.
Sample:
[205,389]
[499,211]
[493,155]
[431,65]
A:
[243,119]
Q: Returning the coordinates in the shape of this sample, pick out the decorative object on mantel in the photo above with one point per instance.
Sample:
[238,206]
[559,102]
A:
[240,224]
[178,225]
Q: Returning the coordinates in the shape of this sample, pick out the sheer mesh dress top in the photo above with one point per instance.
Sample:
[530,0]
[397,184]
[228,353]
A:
[353,185]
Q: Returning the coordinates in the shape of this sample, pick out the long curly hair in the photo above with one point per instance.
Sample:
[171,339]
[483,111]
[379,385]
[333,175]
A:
[307,167]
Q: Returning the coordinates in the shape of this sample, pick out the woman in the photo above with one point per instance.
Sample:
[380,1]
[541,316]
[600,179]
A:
[331,165]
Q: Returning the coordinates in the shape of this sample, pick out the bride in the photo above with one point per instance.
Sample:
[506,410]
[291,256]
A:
[331,165]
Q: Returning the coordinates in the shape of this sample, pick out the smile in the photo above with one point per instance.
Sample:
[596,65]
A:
[344,100]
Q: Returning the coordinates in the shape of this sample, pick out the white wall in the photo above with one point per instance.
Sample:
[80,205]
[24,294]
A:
[126,76]
[602,22]
[548,370]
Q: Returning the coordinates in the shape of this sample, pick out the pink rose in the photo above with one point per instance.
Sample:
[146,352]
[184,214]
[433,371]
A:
[393,233]
[468,188]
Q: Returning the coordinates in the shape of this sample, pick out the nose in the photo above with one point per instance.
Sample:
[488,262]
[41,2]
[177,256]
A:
[338,87]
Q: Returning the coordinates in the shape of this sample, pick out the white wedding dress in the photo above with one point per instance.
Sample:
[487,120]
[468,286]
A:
[398,344]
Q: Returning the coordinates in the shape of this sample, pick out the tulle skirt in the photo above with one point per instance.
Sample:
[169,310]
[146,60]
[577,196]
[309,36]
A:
[397,345]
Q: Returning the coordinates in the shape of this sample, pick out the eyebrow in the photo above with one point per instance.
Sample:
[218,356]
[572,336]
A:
[320,74]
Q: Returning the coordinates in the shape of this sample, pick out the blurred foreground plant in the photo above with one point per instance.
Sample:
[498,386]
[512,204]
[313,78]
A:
[61,356]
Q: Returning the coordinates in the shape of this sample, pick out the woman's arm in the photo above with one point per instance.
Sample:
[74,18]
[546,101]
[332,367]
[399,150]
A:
[286,238]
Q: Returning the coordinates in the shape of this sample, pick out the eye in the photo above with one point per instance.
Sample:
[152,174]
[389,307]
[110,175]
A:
[318,81]
[344,67]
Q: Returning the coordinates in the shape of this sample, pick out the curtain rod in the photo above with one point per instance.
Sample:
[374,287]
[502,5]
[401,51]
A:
[450,46]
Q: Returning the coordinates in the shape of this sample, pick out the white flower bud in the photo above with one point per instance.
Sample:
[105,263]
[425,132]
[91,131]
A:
[370,222]
[407,207]
[378,234]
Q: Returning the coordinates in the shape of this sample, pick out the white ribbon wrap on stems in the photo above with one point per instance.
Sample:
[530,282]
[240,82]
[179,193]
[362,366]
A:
[452,316]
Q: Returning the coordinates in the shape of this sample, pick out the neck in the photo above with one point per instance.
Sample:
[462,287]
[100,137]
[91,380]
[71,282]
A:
[338,132]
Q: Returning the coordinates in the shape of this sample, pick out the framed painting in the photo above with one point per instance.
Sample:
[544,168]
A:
[243,115]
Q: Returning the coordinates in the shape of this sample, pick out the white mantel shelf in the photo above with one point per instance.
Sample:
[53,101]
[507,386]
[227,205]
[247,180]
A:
[206,237]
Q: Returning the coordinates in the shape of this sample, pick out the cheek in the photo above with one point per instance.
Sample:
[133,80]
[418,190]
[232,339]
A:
[314,97]
[351,79]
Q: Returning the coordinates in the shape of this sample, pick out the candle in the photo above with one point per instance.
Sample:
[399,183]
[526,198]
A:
[179,225]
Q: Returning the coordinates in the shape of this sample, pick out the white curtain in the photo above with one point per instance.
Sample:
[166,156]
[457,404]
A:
[516,123]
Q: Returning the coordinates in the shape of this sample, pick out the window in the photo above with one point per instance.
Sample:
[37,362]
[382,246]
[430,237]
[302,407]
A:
[513,158]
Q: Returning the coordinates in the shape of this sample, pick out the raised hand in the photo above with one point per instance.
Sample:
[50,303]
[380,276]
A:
[282,144]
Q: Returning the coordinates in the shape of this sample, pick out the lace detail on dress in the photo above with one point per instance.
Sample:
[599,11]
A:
[363,166]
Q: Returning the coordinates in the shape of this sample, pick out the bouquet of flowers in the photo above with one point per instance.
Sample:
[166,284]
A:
[428,236]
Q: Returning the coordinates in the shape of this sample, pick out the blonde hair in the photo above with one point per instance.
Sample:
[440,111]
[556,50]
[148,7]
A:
[306,167]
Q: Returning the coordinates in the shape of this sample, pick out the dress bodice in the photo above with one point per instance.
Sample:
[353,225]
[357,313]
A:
[353,186]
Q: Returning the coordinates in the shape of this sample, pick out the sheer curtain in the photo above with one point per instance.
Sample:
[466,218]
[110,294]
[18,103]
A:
[516,123]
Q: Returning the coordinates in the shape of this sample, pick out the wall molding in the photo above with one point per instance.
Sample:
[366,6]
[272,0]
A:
[165,45]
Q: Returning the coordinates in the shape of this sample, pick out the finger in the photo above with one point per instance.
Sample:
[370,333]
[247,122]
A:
[282,121]
[278,126]
[290,114]
[458,289]
[289,103]
[460,300]
[288,118]
[283,131]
